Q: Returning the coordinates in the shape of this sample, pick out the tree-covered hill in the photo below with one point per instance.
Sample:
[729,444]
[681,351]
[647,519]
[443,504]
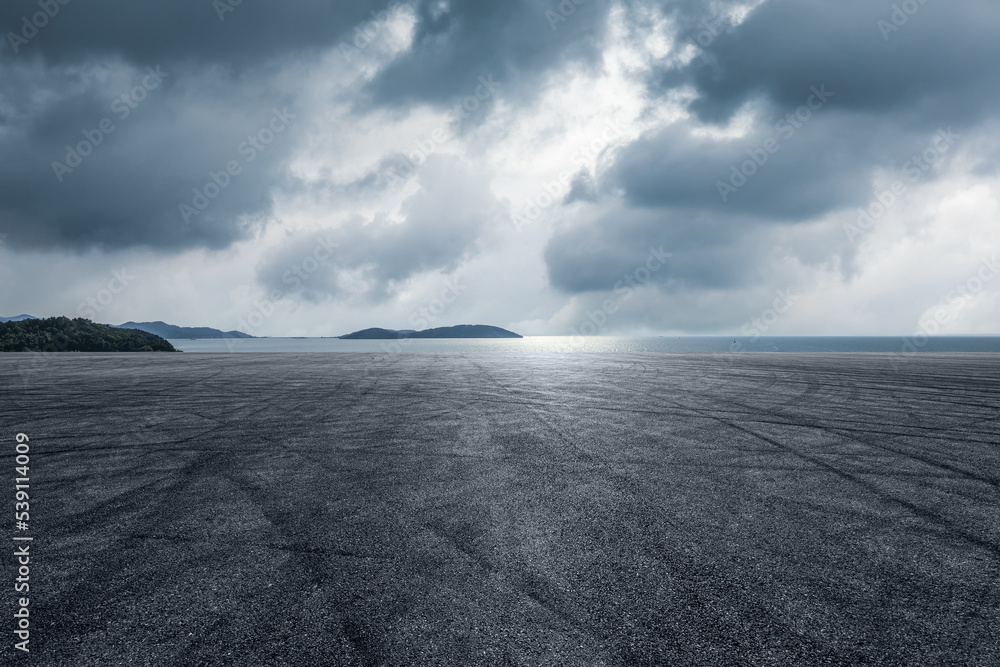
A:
[61,334]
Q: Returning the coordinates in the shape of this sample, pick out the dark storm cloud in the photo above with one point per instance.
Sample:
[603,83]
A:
[892,90]
[514,41]
[444,222]
[150,181]
[455,41]
[895,78]
[180,30]
[717,201]
[221,64]
[706,251]
[928,66]
[87,168]
[791,170]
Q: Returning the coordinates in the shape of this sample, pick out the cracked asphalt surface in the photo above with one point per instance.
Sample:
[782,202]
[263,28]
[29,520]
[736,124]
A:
[436,509]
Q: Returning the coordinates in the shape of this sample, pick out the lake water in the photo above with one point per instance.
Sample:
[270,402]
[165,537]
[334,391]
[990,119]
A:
[676,345]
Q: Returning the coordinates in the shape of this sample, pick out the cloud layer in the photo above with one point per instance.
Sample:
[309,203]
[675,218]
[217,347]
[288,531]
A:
[763,144]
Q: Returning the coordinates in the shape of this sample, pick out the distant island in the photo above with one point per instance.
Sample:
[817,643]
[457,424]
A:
[459,331]
[61,334]
[161,329]
[165,330]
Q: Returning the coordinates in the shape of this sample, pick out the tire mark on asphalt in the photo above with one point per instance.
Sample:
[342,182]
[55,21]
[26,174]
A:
[928,515]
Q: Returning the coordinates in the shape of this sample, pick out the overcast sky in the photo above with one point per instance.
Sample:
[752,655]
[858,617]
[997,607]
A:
[827,167]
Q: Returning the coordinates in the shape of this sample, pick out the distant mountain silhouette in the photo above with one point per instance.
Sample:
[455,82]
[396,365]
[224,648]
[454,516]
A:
[165,330]
[18,318]
[459,331]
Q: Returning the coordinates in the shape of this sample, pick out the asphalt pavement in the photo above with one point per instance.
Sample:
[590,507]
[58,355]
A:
[564,509]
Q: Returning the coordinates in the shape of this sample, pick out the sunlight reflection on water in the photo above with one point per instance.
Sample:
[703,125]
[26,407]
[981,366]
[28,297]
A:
[605,344]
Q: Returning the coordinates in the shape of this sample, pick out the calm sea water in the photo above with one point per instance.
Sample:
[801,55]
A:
[677,345]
